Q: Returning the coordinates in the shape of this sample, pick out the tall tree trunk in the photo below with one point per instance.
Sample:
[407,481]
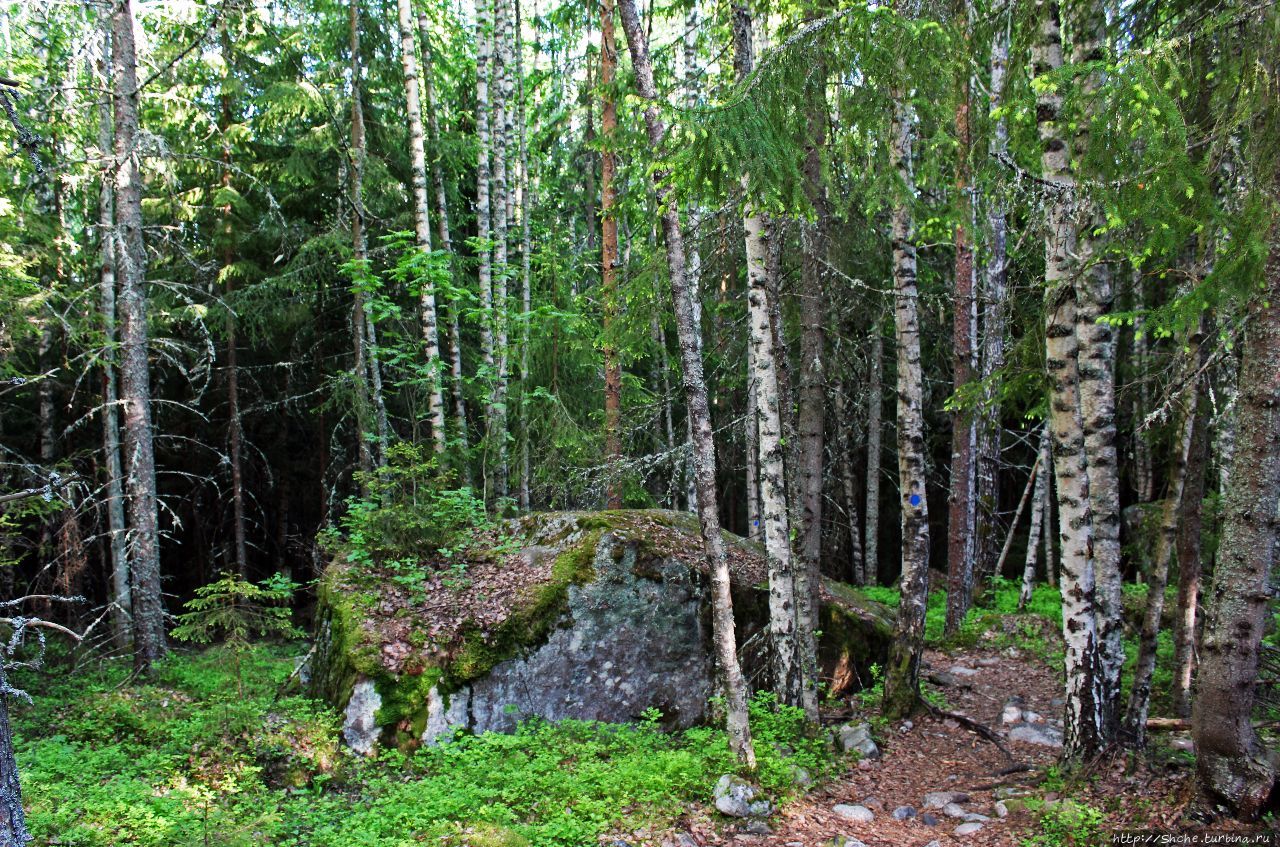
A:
[789,638]
[844,462]
[751,427]
[695,387]
[445,241]
[1140,689]
[1038,522]
[1097,352]
[117,532]
[496,414]
[902,671]
[422,225]
[995,276]
[1141,403]
[609,259]
[526,268]
[484,215]
[235,433]
[1190,524]
[961,515]
[811,393]
[875,402]
[693,270]
[1231,763]
[135,382]
[1086,721]
[368,371]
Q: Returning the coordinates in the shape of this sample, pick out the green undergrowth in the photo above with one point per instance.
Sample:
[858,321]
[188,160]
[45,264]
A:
[994,621]
[185,759]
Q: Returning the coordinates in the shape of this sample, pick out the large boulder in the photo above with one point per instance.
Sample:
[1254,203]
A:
[586,615]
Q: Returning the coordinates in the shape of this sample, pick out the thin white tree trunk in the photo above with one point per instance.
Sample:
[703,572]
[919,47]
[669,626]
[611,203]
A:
[786,629]
[503,121]
[422,224]
[484,217]
[722,623]
[994,278]
[526,268]
[117,532]
[902,671]
[445,240]
[1040,498]
[875,402]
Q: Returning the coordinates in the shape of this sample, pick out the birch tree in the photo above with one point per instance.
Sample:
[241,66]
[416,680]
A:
[422,224]
[902,670]
[789,637]
[117,532]
[695,388]
[1087,729]
[994,279]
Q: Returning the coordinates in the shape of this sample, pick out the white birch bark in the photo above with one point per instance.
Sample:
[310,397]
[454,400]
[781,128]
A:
[733,684]
[902,672]
[422,223]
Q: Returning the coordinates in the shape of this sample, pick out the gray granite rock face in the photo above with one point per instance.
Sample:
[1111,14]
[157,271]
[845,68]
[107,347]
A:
[628,644]
[628,631]
[360,728]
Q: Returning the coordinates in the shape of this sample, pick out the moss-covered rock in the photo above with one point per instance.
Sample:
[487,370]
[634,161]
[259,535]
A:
[592,615]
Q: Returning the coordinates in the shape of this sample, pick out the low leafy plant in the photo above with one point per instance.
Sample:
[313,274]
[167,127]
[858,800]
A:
[411,511]
[1068,823]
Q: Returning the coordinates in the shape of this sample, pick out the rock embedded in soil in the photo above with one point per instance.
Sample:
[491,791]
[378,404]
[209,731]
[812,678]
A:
[1041,735]
[903,813]
[1002,809]
[583,615]
[843,841]
[960,670]
[856,738]
[1011,715]
[857,814]
[929,820]
[954,810]
[736,797]
[938,799]
[967,829]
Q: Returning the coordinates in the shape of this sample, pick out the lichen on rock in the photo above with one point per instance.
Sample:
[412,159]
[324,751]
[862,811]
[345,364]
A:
[586,615]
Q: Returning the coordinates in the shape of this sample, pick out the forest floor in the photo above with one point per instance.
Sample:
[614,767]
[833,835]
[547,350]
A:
[1025,797]
[217,748]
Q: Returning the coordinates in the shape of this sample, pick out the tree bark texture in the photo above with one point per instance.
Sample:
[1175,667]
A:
[902,672]
[875,402]
[117,532]
[1190,524]
[995,277]
[1037,521]
[135,386]
[609,258]
[704,457]
[787,635]
[1232,765]
[1087,722]
[422,224]
[961,517]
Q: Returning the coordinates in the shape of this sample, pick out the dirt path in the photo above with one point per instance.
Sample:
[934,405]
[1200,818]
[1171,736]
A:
[928,754]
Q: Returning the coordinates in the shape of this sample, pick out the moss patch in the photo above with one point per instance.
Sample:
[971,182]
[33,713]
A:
[532,621]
